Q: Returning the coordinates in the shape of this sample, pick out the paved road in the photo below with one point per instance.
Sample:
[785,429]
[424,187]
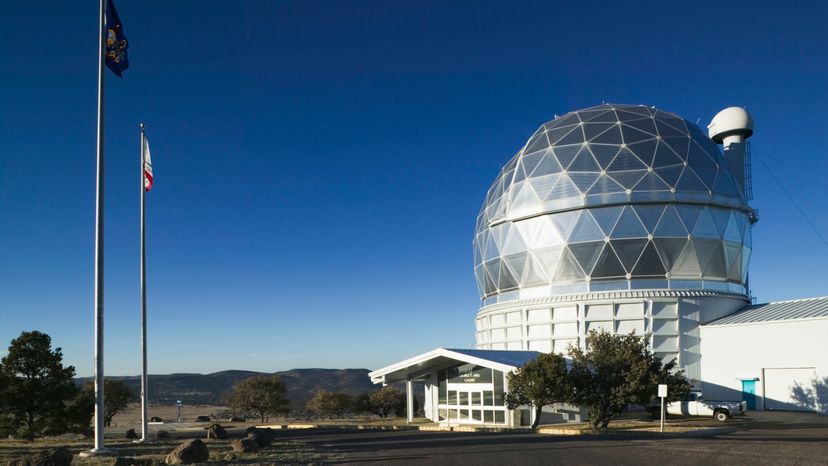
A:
[775,439]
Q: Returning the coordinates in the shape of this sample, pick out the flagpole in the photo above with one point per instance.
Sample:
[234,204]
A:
[144,381]
[99,246]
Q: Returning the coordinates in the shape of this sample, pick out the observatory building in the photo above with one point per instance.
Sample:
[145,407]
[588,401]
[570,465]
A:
[622,218]
[618,217]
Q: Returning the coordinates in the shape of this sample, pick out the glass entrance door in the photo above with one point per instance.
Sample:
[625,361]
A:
[467,406]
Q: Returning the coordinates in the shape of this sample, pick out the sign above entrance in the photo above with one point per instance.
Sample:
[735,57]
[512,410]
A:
[469,373]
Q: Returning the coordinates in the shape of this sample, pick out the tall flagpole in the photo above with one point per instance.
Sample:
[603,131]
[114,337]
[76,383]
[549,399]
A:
[144,382]
[99,246]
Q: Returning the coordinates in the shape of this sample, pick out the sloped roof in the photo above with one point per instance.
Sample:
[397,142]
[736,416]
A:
[508,357]
[782,310]
[441,358]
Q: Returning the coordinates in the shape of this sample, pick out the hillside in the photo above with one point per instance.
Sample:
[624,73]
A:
[207,389]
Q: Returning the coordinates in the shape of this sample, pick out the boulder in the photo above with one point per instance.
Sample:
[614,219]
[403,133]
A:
[191,451]
[131,434]
[216,431]
[244,445]
[203,419]
[262,437]
[156,419]
[50,457]
[162,434]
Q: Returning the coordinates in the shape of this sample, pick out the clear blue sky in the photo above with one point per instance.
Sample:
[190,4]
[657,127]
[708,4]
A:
[319,165]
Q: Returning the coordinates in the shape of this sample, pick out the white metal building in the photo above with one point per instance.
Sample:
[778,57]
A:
[774,356]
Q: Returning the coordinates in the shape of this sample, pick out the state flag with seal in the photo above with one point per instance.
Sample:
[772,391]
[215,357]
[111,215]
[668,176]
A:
[116,42]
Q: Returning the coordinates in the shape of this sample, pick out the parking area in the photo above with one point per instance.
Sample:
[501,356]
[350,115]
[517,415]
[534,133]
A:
[769,438]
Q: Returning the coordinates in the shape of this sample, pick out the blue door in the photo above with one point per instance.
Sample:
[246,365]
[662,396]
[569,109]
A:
[749,393]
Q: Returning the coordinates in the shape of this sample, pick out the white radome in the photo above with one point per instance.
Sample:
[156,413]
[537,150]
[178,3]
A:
[728,122]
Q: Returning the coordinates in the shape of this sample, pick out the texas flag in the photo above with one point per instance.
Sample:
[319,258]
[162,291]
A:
[147,166]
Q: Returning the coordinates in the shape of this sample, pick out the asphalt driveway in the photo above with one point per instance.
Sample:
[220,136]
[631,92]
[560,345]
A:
[769,438]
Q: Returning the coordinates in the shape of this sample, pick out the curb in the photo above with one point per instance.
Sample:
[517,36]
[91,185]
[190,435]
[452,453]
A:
[425,428]
[701,432]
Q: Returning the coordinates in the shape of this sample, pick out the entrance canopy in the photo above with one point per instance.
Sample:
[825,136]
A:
[441,358]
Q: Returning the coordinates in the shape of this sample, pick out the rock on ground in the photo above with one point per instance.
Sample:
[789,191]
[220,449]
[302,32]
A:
[191,451]
[51,457]
[216,431]
[262,437]
[131,434]
[244,445]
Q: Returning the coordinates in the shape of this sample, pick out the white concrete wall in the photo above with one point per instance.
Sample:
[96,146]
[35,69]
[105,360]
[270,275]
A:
[672,322]
[781,355]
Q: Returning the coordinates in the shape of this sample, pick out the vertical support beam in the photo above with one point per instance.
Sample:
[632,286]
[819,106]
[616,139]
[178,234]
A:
[510,413]
[409,400]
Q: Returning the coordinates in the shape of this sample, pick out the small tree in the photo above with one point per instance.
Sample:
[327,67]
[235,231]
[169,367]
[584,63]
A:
[36,386]
[540,382]
[387,400]
[117,395]
[329,404]
[618,370]
[261,394]
[79,412]
[362,404]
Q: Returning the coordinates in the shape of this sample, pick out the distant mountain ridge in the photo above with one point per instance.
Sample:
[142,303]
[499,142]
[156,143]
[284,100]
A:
[207,389]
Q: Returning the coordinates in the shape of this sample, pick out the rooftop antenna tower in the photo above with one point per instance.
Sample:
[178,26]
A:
[731,127]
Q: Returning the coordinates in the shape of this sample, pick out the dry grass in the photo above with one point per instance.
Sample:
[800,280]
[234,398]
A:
[131,415]
[153,453]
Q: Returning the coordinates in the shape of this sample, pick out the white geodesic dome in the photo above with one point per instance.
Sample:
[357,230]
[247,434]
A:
[613,197]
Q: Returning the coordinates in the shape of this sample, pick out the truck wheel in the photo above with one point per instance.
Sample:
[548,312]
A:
[721,416]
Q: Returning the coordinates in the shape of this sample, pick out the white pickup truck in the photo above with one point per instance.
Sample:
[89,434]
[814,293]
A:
[695,405]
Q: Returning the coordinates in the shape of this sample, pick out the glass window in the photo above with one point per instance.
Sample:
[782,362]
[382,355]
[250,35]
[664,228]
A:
[586,229]
[452,414]
[500,417]
[626,160]
[610,136]
[584,162]
[477,415]
[706,225]
[640,144]
[629,226]
[452,397]
[670,174]
[604,154]
[587,254]
[488,398]
[464,398]
[568,269]
[442,387]
[498,388]
[670,224]
[649,263]
[464,415]
[477,399]
[628,250]
[680,145]
[443,414]
[488,416]
[628,179]
[608,265]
